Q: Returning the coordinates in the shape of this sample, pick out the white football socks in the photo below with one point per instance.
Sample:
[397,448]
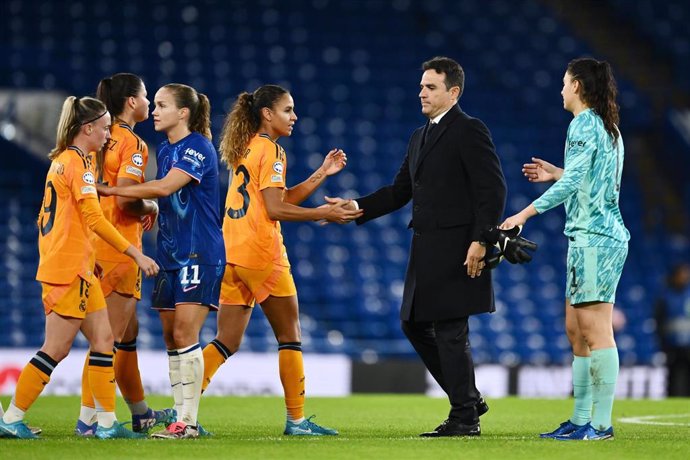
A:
[192,372]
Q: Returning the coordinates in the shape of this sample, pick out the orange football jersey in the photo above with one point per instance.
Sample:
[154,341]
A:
[126,157]
[63,238]
[252,239]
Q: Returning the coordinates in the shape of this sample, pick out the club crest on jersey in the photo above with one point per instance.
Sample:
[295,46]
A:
[278,167]
[88,178]
[138,159]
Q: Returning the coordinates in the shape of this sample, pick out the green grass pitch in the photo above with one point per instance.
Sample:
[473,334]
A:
[371,427]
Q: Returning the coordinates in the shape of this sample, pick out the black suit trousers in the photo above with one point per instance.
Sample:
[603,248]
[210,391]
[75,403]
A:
[444,347]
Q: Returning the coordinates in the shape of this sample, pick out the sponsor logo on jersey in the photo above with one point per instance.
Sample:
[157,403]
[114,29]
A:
[194,154]
[88,189]
[278,167]
[88,178]
[138,159]
[134,171]
[276,178]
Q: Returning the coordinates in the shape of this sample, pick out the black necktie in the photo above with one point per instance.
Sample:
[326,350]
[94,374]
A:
[429,130]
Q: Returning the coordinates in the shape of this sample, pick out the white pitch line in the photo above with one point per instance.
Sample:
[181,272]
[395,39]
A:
[651,420]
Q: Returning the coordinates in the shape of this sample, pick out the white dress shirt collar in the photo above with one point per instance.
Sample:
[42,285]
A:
[437,118]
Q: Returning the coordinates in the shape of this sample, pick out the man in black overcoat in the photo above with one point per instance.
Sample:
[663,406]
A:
[453,176]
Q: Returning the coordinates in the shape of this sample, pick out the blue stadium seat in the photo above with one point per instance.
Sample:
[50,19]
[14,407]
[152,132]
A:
[359,95]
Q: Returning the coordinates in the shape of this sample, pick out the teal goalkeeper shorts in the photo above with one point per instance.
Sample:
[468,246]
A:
[593,273]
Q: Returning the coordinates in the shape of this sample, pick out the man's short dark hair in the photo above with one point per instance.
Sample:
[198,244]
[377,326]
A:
[455,76]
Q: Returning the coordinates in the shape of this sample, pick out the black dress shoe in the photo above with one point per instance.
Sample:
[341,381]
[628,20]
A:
[453,428]
[482,407]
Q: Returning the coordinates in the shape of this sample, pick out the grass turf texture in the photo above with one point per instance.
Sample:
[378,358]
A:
[371,427]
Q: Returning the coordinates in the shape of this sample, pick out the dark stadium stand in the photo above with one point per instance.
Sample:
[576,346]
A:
[353,69]
[666,24]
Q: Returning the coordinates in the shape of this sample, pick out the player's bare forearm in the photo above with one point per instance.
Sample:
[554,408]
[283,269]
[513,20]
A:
[159,188]
[136,207]
[297,194]
[278,209]
[519,218]
[151,189]
[286,212]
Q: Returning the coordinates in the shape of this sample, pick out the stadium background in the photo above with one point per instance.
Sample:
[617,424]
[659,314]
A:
[353,69]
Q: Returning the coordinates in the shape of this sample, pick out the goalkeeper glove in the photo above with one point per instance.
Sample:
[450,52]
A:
[510,245]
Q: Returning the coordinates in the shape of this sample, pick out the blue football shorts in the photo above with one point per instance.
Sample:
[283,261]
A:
[194,284]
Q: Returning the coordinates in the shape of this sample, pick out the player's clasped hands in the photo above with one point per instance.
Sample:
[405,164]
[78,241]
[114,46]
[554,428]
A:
[148,220]
[340,211]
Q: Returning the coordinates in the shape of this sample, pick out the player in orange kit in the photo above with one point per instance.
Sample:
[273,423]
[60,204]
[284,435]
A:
[257,268]
[72,295]
[123,162]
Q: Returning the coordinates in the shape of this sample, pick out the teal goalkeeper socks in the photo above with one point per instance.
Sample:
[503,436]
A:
[582,390]
[604,377]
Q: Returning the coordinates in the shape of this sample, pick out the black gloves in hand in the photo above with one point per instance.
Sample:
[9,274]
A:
[511,246]
[492,258]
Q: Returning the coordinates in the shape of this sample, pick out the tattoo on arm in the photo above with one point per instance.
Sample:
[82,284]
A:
[316,177]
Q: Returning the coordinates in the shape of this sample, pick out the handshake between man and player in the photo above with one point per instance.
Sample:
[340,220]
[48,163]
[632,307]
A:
[509,244]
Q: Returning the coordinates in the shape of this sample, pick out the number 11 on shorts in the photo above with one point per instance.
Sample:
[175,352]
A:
[195,275]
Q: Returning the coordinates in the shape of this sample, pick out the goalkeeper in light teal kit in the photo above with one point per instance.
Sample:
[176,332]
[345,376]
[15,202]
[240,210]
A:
[589,187]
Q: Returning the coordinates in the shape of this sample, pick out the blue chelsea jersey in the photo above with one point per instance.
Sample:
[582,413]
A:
[189,222]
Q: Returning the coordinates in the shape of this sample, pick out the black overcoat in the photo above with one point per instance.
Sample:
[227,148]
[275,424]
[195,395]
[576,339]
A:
[457,187]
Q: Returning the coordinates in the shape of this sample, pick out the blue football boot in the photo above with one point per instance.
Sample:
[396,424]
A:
[17,430]
[307,428]
[84,430]
[588,433]
[144,422]
[117,431]
[202,430]
[564,429]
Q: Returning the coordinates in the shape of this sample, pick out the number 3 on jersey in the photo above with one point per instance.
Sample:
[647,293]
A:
[242,189]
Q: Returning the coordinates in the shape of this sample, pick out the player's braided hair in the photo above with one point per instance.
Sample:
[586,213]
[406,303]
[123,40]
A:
[244,120]
[598,91]
[76,112]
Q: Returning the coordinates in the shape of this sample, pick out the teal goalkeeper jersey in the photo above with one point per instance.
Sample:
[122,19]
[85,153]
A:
[590,185]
